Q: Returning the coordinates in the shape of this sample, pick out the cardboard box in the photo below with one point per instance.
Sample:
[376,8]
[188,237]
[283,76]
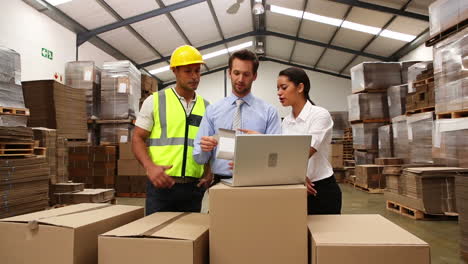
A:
[67,235]
[336,155]
[85,196]
[264,224]
[167,237]
[130,168]
[370,176]
[363,239]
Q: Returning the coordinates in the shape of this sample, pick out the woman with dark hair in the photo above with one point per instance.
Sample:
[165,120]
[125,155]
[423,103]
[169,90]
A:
[324,194]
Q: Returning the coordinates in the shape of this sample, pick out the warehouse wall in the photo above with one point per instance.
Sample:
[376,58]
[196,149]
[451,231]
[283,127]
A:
[24,29]
[89,52]
[422,53]
[327,91]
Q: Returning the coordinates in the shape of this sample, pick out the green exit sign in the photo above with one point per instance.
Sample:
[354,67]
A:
[47,54]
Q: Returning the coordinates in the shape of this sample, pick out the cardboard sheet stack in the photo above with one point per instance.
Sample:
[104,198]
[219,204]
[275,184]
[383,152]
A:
[432,188]
[93,165]
[366,142]
[24,178]
[340,123]
[405,65]
[450,142]
[11,92]
[375,76]
[370,176]
[131,176]
[85,75]
[120,101]
[115,133]
[420,129]
[120,90]
[446,14]
[368,105]
[54,105]
[385,134]
[461,194]
[451,77]
[400,138]
[392,172]
[48,139]
[149,85]
[62,159]
[397,100]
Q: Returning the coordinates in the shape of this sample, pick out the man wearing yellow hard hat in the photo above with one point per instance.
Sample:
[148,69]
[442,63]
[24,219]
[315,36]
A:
[168,122]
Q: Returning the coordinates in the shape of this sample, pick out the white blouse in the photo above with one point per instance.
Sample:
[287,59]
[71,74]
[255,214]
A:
[316,121]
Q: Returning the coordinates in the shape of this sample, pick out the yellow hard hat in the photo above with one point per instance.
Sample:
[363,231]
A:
[185,55]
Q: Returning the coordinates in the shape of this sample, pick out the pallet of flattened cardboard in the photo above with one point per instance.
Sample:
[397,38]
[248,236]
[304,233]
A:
[24,185]
[63,235]
[16,142]
[86,196]
[57,106]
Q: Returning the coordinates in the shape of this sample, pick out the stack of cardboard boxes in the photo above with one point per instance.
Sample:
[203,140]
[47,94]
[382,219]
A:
[368,106]
[11,90]
[131,178]
[54,105]
[120,101]
[85,75]
[93,165]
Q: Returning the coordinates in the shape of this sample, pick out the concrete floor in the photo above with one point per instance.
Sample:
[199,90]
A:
[443,236]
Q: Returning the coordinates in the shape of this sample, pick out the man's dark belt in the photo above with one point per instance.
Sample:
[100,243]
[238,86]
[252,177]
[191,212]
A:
[185,179]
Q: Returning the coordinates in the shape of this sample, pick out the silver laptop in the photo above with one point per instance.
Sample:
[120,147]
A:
[270,160]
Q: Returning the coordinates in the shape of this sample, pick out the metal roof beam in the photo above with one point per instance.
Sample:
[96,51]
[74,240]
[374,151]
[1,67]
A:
[383,9]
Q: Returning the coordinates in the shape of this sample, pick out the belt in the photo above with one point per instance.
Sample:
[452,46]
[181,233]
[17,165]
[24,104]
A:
[330,179]
[185,179]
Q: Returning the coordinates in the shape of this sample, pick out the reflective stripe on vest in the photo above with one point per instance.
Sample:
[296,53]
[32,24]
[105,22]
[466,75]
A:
[173,133]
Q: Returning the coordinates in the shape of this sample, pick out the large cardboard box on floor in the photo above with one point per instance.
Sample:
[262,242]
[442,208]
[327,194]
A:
[264,224]
[363,239]
[67,235]
[165,237]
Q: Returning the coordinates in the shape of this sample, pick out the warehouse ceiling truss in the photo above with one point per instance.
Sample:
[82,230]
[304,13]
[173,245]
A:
[326,36]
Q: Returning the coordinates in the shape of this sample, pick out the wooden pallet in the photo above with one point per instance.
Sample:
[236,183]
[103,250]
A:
[446,33]
[123,121]
[452,114]
[131,195]
[40,151]
[380,120]
[11,149]
[14,111]
[420,110]
[415,213]
[371,91]
[423,82]
[369,190]
[16,145]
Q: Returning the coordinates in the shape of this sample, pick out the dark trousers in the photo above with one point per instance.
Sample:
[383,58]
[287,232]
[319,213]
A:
[182,197]
[328,198]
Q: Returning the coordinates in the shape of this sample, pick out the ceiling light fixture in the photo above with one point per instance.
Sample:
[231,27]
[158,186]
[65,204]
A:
[258,8]
[57,2]
[346,24]
[210,55]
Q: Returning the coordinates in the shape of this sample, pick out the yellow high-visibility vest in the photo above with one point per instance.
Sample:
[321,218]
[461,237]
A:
[173,133]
